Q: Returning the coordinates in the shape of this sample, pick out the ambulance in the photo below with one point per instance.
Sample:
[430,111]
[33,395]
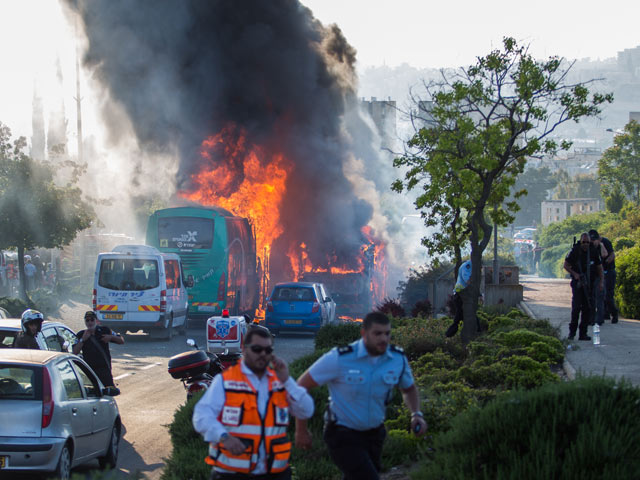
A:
[225,336]
[136,287]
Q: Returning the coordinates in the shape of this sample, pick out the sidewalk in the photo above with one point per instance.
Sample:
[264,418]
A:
[617,355]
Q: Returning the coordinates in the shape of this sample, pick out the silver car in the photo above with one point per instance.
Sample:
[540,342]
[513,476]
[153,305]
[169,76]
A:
[54,414]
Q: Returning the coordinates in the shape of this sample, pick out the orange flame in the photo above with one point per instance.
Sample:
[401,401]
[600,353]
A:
[257,197]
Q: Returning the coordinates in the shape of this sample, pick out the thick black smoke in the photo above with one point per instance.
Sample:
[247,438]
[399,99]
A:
[184,69]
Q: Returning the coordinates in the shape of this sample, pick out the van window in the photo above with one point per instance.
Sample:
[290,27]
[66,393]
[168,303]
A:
[128,274]
[172,272]
[294,294]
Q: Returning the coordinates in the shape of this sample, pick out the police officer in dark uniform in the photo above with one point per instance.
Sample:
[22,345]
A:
[361,378]
[584,264]
[609,309]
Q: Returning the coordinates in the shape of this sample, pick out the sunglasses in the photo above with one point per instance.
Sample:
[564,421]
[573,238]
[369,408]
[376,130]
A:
[259,349]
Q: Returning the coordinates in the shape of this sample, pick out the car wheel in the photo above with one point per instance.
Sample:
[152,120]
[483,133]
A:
[111,457]
[63,470]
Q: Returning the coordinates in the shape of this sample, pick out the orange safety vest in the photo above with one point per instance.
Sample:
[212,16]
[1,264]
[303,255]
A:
[241,418]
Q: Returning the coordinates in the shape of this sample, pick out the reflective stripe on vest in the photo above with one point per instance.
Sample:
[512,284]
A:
[241,418]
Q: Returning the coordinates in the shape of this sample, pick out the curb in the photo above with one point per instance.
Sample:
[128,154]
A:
[569,370]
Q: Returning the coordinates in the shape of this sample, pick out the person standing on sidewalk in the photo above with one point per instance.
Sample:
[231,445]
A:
[609,267]
[581,262]
[361,378]
[94,345]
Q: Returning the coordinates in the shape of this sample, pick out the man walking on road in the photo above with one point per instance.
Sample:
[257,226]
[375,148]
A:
[94,345]
[361,379]
[245,413]
[607,301]
[583,263]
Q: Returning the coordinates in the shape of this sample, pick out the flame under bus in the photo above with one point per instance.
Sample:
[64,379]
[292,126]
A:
[217,249]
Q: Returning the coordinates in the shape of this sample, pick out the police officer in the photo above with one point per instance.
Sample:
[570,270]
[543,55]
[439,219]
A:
[361,378]
[606,302]
[245,413]
[583,263]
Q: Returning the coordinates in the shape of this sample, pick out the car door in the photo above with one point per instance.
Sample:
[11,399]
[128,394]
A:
[79,410]
[101,407]
[52,340]
[331,305]
[68,336]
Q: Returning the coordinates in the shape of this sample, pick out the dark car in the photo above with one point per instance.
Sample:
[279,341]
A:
[298,306]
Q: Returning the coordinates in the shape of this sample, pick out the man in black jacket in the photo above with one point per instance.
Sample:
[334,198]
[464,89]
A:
[94,344]
[31,324]
[609,267]
[584,264]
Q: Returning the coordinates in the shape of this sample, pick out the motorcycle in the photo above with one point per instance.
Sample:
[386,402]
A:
[195,368]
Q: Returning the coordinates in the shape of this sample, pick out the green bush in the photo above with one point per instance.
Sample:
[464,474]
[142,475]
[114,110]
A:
[189,449]
[14,306]
[552,259]
[623,243]
[337,335]
[400,448]
[419,336]
[627,292]
[563,430]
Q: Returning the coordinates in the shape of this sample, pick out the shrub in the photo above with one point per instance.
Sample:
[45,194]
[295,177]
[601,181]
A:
[14,306]
[400,447]
[391,307]
[564,430]
[623,243]
[189,449]
[552,259]
[627,292]
[337,335]
[420,336]
[422,309]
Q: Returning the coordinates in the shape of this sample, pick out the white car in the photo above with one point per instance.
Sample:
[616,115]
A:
[54,336]
[55,414]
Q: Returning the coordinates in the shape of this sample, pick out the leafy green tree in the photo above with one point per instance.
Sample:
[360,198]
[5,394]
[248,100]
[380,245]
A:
[484,121]
[619,165]
[534,183]
[34,210]
[582,185]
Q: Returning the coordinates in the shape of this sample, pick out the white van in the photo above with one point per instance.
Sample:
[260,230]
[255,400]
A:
[136,287]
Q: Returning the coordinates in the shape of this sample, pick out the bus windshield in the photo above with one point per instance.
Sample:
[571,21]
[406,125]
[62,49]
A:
[185,233]
[128,274]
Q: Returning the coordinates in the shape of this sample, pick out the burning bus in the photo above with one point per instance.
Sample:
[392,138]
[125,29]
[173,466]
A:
[218,249]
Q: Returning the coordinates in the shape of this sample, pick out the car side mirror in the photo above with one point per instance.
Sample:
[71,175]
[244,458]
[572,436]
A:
[191,342]
[189,282]
[111,391]
[327,299]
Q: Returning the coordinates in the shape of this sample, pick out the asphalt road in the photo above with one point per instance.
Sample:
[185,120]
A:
[150,396]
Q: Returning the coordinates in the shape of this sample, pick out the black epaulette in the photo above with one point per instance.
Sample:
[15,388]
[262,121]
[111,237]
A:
[345,349]
[396,348]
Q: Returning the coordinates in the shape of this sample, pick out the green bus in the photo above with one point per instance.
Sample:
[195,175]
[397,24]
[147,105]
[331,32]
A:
[218,250]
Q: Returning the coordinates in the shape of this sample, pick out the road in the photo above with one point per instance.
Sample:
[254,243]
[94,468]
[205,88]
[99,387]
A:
[150,395]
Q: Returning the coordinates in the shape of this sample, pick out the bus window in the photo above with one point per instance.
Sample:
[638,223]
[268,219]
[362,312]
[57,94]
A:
[185,232]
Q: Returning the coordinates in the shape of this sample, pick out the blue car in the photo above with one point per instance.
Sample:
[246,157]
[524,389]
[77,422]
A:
[298,306]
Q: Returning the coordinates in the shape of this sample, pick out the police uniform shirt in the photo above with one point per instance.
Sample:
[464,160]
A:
[577,258]
[96,354]
[360,385]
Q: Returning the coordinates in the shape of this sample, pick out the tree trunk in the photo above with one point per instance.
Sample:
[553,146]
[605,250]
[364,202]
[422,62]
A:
[21,275]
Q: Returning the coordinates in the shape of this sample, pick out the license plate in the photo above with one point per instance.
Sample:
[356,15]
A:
[207,308]
[114,316]
[293,322]
[4,462]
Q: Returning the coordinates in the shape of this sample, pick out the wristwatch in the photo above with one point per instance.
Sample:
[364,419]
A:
[417,414]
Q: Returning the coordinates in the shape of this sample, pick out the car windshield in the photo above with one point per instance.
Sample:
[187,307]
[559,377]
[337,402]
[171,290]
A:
[294,294]
[18,382]
[128,274]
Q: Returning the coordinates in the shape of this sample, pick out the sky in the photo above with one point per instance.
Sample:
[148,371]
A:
[36,38]
[440,34]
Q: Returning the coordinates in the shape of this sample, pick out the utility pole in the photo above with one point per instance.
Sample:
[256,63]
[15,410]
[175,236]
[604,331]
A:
[78,99]
[496,263]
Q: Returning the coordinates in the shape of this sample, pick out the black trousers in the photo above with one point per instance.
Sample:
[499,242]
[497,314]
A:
[356,453]
[610,285]
[579,309]
[286,475]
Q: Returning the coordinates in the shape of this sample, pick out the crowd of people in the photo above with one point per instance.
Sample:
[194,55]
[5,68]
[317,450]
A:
[38,274]
[592,267]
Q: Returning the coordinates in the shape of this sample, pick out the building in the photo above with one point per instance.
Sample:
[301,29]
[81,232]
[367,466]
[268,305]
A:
[383,114]
[558,210]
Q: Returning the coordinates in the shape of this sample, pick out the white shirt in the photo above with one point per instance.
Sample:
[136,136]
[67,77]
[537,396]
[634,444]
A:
[205,414]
